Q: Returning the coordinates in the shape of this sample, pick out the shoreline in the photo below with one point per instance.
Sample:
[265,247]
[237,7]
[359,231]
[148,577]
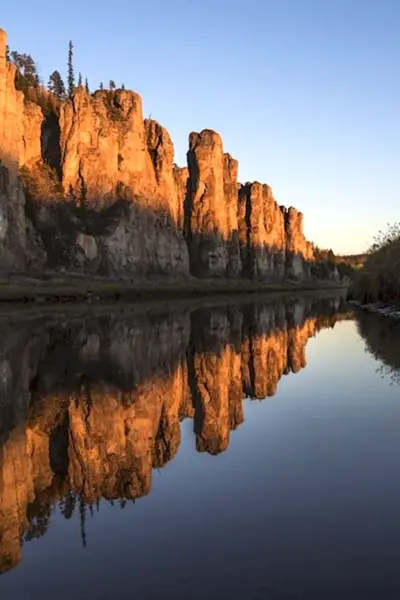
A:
[384,310]
[70,290]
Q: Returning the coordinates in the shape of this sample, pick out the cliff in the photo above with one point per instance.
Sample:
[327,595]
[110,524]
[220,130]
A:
[101,195]
[20,135]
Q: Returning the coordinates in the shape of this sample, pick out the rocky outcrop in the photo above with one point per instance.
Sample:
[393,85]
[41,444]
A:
[106,198]
[262,233]
[11,112]
[206,206]
[212,207]
[109,152]
[298,250]
[20,120]
[20,131]
[119,168]
[103,147]
[231,169]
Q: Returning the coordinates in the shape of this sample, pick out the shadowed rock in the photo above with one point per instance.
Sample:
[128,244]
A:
[104,197]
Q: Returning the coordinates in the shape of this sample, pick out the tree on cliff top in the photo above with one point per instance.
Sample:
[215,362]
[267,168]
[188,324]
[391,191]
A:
[87,86]
[112,85]
[56,85]
[27,75]
[71,77]
[80,78]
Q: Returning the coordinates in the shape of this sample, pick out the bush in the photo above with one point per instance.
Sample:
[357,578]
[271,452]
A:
[379,279]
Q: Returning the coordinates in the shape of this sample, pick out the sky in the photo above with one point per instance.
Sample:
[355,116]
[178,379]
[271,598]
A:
[305,93]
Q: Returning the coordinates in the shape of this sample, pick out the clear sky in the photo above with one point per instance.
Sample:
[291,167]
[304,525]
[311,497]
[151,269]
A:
[305,93]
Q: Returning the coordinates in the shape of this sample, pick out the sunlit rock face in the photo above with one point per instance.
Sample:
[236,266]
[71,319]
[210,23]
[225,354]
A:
[20,134]
[121,168]
[262,233]
[90,405]
[104,196]
[299,252]
[212,209]
[20,120]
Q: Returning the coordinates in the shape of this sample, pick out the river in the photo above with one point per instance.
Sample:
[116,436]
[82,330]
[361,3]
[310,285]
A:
[223,449]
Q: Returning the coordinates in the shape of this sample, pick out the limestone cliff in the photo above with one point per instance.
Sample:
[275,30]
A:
[20,134]
[124,218]
[262,233]
[104,196]
[298,249]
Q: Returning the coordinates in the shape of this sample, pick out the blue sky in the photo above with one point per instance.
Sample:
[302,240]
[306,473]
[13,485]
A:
[305,93]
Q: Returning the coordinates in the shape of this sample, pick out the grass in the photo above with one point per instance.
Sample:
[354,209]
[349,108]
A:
[79,289]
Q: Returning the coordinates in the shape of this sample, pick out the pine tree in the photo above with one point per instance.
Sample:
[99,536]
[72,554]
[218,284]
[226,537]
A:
[67,505]
[123,86]
[101,85]
[71,78]
[27,75]
[30,71]
[112,85]
[80,78]
[56,85]
[87,86]
[82,521]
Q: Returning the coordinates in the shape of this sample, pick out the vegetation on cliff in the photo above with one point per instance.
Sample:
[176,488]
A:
[102,196]
[48,97]
[379,279]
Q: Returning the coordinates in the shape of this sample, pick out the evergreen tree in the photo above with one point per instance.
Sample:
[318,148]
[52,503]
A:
[30,71]
[101,85]
[27,75]
[80,78]
[123,86]
[17,59]
[82,520]
[8,57]
[71,78]
[87,86]
[112,85]
[67,505]
[56,85]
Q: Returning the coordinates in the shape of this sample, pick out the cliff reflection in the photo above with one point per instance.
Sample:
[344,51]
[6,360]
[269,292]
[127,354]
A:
[90,405]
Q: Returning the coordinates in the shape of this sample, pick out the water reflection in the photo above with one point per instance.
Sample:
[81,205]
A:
[382,340]
[91,404]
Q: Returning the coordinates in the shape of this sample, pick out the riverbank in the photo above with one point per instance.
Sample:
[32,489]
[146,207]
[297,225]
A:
[74,289]
[392,311]
[377,283]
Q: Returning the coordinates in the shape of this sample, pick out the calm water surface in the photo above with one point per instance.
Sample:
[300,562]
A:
[235,450]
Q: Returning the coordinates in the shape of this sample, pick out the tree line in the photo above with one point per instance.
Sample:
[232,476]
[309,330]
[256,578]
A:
[28,81]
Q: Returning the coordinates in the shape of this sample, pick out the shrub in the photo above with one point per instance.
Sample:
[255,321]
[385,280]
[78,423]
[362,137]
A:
[379,279]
